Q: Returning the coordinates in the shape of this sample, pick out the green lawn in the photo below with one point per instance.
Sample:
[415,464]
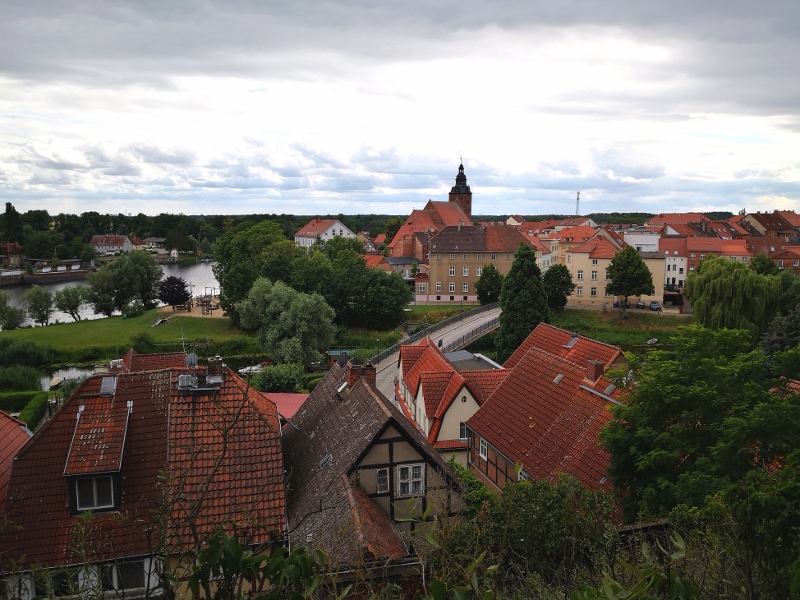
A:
[102,338]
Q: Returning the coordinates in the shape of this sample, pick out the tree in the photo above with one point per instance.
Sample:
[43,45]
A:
[558,285]
[286,378]
[292,327]
[523,302]
[174,290]
[12,225]
[783,334]
[391,227]
[39,304]
[764,265]
[629,275]
[11,317]
[489,285]
[339,243]
[698,419]
[728,294]
[131,277]
[383,299]
[70,300]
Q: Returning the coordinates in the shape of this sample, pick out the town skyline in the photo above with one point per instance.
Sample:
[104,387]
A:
[327,108]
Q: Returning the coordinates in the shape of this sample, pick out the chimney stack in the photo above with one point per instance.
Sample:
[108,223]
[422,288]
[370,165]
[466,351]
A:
[595,370]
[365,371]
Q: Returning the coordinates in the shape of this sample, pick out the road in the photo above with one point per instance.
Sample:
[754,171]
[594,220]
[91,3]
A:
[387,368]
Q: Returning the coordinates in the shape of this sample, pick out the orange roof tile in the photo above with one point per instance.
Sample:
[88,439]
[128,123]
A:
[13,435]
[220,451]
[550,424]
[316,227]
[559,342]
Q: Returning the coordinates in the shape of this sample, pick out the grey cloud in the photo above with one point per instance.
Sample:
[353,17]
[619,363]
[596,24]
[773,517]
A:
[151,154]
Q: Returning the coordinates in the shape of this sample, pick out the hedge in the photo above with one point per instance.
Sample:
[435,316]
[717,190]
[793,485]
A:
[12,402]
[33,413]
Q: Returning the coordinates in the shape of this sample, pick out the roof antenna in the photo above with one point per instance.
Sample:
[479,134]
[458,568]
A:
[578,205]
[183,340]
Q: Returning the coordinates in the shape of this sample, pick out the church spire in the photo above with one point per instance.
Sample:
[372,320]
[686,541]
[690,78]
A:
[460,193]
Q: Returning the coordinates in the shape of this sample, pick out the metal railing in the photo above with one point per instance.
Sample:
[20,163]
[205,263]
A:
[472,335]
[432,329]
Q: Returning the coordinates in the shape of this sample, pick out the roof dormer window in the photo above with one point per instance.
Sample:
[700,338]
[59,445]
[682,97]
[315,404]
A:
[94,493]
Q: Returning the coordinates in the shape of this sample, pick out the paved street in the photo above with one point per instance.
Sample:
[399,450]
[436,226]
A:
[387,368]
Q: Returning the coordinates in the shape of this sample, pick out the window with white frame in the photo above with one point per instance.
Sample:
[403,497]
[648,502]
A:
[480,256]
[94,493]
[680,271]
[465,288]
[128,575]
[494,256]
[410,480]
[452,271]
[702,255]
[478,271]
[508,257]
[462,432]
[692,255]
[594,261]
[438,286]
[579,291]
[691,267]
[452,256]
[466,257]
[606,273]
[593,291]
[780,263]
[465,271]
[452,286]
[594,274]
[569,257]
[382,483]
[483,448]
[438,257]
[580,274]
[421,287]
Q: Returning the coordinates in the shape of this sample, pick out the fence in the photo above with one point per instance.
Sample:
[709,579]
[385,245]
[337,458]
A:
[434,328]
[472,335]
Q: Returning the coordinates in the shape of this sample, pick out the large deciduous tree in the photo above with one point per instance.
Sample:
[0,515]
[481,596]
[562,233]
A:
[523,302]
[764,265]
[699,418]
[71,299]
[174,290]
[293,327]
[39,304]
[558,285]
[629,275]
[391,227]
[489,285]
[131,277]
[728,294]
[11,317]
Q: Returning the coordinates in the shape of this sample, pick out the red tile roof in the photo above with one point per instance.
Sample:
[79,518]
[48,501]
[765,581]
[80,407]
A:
[573,234]
[597,247]
[559,342]
[13,435]
[546,416]
[374,530]
[718,246]
[674,218]
[108,240]
[287,403]
[218,449]
[316,227]
[790,217]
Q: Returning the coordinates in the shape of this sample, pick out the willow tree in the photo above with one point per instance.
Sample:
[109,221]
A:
[726,294]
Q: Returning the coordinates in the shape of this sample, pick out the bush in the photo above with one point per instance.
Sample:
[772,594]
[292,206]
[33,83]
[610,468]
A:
[18,378]
[280,378]
[26,353]
[134,309]
[143,343]
[312,383]
[33,413]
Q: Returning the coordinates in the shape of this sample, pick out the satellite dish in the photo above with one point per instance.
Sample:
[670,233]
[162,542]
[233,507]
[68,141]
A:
[191,359]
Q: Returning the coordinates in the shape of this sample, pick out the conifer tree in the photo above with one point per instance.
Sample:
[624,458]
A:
[523,302]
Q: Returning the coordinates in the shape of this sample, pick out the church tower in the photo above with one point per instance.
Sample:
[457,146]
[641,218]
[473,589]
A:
[461,194]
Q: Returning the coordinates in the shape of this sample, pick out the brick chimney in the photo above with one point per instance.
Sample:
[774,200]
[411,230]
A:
[595,370]
[365,371]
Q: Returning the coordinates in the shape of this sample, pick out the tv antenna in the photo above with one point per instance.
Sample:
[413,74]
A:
[578,205]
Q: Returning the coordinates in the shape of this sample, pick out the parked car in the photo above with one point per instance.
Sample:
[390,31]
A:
[640,304]
[655,305]
[627,304]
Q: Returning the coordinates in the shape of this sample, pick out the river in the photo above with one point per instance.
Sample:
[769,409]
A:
[200,278]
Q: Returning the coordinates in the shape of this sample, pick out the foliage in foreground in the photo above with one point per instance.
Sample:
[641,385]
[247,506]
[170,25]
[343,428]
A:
[699,419]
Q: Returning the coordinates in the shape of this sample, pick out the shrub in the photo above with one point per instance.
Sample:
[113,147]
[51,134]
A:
[34,411]
[143,343]
[280,378]
[19,378]
[134,309]
[26,353]
[312,383]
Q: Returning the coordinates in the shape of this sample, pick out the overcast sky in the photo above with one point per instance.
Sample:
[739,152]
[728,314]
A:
[356,106]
